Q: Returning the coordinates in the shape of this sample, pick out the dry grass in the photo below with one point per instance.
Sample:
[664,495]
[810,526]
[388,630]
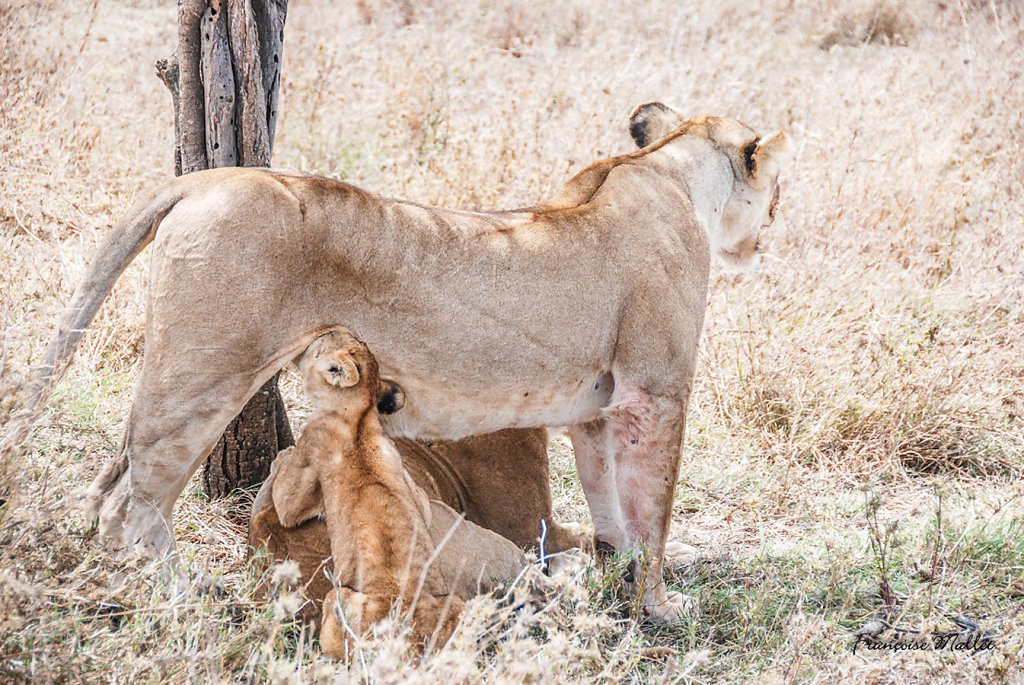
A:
[873,365]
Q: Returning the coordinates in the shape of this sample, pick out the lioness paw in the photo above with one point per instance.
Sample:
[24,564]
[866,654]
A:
[568,562]
[680,554]
[672,609]
[582,535]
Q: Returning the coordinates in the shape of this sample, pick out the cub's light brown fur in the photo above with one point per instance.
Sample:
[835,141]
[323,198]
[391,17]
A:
[585,311]
[388,542]
[498,481]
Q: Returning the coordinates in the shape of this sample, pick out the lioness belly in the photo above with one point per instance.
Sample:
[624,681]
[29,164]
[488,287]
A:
[434,412]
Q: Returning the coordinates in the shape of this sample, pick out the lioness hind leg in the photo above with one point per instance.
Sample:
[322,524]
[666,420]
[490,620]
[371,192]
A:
[170,431]
[183,402]
[103,483]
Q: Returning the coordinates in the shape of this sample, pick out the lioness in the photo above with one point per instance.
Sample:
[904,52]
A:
[583,311]
[388,541]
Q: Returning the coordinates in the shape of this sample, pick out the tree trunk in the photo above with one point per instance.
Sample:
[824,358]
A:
[224,83]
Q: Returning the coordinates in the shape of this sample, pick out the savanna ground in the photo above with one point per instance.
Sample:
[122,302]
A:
[855,441]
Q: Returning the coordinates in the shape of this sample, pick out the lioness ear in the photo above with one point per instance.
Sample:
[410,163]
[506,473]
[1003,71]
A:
[390,398]
[765,157]
[652,121]
[341,371]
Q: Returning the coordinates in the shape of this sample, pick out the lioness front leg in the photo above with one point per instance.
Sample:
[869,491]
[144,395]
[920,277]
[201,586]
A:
[645,436]
[595,465]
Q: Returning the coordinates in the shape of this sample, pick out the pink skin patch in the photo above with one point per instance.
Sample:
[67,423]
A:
[645,438]
[632,417]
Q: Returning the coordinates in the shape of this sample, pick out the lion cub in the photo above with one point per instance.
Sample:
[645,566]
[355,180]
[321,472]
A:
[385,535]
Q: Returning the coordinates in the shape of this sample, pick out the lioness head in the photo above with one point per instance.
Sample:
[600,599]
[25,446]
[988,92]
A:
[338,369]
[755,162]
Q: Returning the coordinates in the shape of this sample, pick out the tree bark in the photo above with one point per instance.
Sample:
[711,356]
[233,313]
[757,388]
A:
[218,88]
[191,114]
[270,17]
[168,72]
[224,83]
[243,454]
[251,125]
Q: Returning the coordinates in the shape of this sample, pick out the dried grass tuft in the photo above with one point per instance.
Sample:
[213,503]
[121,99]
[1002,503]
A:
[884,23]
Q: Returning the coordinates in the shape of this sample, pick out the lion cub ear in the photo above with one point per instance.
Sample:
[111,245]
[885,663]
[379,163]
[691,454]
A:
[390,397]
[652,121]
[765,157]
[340,371]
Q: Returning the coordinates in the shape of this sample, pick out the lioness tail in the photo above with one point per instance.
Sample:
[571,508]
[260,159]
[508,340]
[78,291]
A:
[134,232]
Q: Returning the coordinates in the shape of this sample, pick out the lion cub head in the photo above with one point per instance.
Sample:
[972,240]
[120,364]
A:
[753,160]
[341,374]
[343,382]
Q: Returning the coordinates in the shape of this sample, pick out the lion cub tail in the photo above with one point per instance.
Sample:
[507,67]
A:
[134,232]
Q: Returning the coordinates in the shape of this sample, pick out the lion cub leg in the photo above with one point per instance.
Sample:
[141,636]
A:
[470,558]
[567,548]
[378,524]
[502,482]
[296,492]
[350,614]
[347,616]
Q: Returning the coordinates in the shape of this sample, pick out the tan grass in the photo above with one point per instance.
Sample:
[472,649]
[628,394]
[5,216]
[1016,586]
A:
[880,348]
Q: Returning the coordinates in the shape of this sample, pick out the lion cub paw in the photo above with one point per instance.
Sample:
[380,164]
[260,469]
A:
[672,609]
